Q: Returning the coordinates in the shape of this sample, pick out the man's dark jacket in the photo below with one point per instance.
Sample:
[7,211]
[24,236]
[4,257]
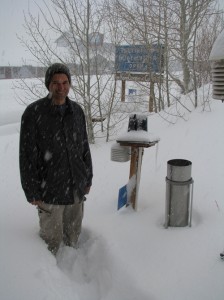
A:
[55,158]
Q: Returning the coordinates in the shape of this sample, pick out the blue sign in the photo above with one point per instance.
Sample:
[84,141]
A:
[122,197]
[139,59]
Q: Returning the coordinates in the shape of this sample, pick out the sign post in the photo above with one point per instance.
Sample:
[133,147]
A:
[123,84]
[138,63]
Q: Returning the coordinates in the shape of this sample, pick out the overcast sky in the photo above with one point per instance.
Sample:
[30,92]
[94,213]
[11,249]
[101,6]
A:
[11,20]
[11,25]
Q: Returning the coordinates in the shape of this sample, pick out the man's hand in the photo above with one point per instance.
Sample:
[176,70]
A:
[87,189]
[36,202]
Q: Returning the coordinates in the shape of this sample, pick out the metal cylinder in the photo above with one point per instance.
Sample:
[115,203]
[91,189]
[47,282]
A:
[178,193]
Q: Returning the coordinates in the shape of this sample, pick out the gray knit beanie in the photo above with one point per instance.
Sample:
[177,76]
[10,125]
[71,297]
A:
[56,68]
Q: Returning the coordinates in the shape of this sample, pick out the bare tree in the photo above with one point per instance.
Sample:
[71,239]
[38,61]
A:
[205,38]
[187,17]
[183,27]
[76,26]
[178,25]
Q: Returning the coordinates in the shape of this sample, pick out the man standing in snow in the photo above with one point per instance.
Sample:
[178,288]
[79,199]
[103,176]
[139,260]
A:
[55,160]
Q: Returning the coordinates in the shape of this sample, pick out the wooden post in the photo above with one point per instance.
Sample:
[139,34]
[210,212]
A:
[137,150]
[123,83]
[151,96]
[135,170]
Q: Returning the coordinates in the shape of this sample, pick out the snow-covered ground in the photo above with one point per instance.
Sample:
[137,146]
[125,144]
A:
[125,254]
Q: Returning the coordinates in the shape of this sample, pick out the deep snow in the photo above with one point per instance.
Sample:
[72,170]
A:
[125,254]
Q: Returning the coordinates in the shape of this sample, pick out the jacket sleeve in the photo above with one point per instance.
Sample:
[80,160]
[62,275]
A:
[87,155]
[28,154]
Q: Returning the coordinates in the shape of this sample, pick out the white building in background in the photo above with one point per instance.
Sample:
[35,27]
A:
[102,54]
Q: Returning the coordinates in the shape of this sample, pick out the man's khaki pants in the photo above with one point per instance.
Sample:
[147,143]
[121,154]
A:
[60,223]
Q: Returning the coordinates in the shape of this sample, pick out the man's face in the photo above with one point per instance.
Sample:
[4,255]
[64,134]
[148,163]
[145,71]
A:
[59,87]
